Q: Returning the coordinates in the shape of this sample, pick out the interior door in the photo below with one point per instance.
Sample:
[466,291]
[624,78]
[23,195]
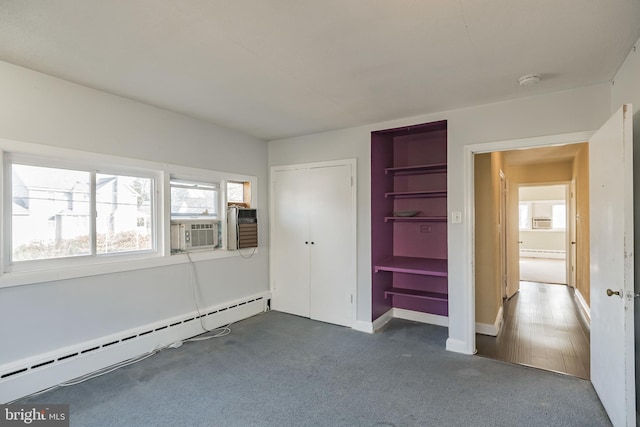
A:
[332,255]
[502,231]
[573,233]
[611,210]
[513,240]
[290,243]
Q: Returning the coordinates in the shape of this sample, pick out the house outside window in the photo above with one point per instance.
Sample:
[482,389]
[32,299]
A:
[52,211]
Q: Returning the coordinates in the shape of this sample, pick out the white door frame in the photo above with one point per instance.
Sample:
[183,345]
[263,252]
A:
[470,150]
[353,163]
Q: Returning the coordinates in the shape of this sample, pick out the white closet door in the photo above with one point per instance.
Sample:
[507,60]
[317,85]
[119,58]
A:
[289,250]
[332,255]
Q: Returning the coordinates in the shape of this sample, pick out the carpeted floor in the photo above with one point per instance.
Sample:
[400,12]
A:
[281,370]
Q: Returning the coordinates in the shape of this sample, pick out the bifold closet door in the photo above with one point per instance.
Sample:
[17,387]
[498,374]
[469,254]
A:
[290,242]
[332,258]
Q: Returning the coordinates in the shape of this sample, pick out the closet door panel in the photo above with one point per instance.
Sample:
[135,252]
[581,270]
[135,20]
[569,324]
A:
[289,250]
[332,258]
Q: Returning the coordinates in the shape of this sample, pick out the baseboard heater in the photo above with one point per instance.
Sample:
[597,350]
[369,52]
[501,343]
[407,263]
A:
[18,379]
[543,253]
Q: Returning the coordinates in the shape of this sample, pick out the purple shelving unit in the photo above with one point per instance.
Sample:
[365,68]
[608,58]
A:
[409,253]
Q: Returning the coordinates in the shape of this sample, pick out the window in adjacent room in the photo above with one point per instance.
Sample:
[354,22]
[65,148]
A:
[523,217]
[559,216]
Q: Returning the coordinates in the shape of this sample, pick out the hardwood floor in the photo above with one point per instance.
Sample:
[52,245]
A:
[542,328]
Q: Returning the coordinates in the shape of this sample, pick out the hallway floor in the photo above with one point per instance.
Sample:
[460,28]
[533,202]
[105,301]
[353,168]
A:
[543,270]
[542,328]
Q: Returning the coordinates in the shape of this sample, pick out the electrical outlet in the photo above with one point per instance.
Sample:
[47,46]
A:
[425,229]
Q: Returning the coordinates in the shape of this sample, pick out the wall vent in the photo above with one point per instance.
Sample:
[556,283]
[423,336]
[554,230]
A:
[66,357]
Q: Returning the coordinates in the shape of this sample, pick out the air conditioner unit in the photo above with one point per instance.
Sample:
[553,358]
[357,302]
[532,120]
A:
[541,223]
[194,234]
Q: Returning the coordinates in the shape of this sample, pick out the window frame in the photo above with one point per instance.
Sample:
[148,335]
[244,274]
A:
[43,271]
[177,182]
[11,158]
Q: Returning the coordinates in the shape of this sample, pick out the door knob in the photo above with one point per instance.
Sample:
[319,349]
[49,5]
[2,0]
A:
[573,243]
[611,293]
[520,241]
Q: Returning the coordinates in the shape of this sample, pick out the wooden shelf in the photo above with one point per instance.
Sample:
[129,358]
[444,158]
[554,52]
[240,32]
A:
[421,266]
[416,294]
[417,170]
[416,218]
[412,194]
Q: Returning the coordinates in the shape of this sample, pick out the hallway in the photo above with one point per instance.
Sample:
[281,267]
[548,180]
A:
[542,328]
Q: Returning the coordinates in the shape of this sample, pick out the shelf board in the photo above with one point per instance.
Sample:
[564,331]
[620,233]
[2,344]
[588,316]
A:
[416,294]
[417,170]
[421,193]
[421,266]
[416,218]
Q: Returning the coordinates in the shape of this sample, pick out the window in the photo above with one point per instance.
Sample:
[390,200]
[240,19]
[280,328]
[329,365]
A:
[559,216]
[523,217]
[69,213]
[50,213]
[66,212]
[239,194]
[194,200]
[123,208]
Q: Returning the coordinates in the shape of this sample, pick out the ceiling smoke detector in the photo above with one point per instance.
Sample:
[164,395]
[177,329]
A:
[529,79]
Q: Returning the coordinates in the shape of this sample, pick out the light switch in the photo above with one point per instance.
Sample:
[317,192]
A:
[456,217]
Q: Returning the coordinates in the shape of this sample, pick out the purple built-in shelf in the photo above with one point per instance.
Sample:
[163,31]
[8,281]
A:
[416,294]
[419,169]
[422,266]
[416,218]
[423,193]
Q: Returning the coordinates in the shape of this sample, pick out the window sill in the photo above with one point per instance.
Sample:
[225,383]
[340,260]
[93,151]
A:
[11,279]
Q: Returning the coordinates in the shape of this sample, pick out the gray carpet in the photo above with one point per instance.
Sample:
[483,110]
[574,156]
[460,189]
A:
[281,370]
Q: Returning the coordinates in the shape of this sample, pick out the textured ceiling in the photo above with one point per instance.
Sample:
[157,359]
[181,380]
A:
[276,69]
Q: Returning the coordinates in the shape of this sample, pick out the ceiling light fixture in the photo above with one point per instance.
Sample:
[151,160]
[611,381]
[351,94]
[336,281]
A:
[529,79]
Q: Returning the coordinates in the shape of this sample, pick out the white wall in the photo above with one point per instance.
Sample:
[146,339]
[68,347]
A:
[42,317]
[626,89]
[561,112]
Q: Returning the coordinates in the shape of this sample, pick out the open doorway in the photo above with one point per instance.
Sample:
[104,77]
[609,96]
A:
[537,291]
[542,223]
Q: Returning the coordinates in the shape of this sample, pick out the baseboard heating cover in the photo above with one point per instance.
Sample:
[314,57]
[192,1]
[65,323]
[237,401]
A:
[27,376]
[543,253]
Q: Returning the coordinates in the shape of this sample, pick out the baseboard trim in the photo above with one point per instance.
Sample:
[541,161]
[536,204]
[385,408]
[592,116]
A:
[491,330]
[362,326]
[458,346]
[400,313]
[416,316]
[582,303]
[30,375]
[382,320]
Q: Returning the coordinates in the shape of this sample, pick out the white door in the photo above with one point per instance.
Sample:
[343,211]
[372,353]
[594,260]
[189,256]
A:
[290,244]
[611,208]
[332,255]
[502,231]
[573,233]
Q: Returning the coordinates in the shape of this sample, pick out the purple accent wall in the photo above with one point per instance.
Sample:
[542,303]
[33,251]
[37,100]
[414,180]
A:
[419,238]
[381,231]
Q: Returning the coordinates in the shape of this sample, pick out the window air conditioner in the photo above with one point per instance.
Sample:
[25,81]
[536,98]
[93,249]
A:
[541,223]
[194,234]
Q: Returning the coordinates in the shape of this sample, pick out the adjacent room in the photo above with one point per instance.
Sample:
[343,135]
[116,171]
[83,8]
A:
[317,213]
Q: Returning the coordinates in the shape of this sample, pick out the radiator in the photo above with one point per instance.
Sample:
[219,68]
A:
[543,253]
[27,376]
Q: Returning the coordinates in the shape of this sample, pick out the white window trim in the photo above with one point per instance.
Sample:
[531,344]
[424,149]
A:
[76,267]
[94,168]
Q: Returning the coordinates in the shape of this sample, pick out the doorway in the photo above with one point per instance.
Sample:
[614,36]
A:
[540,322]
